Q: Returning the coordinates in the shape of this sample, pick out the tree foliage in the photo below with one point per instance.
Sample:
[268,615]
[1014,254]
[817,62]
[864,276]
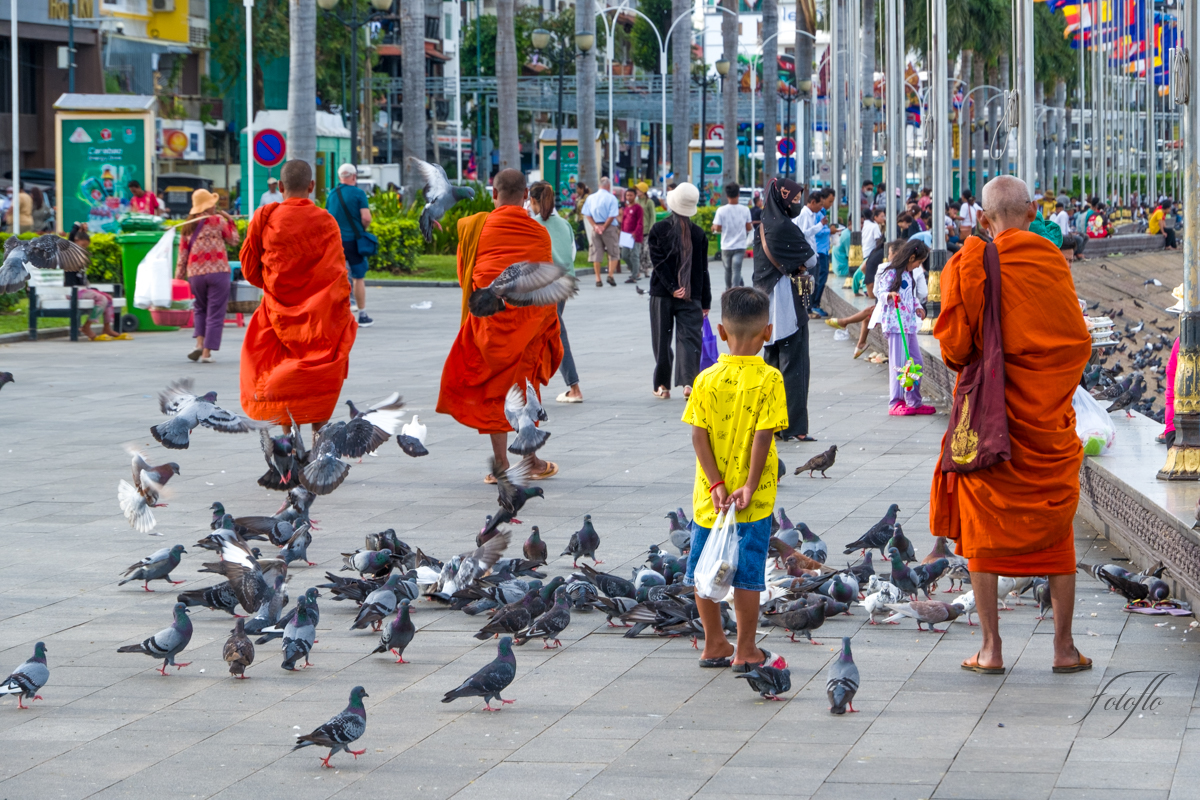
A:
[645,43]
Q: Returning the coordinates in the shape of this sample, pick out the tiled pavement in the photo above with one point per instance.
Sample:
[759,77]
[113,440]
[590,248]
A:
[604,716]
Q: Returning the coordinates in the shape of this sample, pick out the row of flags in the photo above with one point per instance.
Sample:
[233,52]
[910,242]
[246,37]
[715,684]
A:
[1118,29]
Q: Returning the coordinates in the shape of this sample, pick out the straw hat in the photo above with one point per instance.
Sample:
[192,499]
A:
[203,200]
[1177,293]
[683,199]
[642,186]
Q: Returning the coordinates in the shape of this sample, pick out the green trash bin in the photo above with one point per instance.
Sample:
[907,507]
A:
[134,247]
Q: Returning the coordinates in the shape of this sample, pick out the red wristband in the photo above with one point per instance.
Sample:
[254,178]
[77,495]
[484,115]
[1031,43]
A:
[715,485]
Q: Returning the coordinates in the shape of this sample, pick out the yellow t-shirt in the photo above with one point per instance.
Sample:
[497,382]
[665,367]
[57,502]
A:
[733,399]
[1155,223]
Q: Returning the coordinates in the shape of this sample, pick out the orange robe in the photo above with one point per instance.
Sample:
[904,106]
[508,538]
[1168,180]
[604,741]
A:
[1015,518]
[297,347]
[490,354]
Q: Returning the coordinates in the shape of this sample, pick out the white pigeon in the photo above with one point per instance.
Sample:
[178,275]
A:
[415,429]
[1021,586]
[1004,588]
[877,602]
[966,602]
[412,438]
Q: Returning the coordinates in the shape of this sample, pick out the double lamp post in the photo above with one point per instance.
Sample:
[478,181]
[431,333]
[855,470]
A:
[556,50]
[354,24]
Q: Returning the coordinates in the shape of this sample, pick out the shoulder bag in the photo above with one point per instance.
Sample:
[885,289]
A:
[367,242]
[978,432]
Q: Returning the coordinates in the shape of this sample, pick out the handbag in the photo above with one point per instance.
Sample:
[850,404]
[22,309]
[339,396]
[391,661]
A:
[708,346]
[367,242]
[977,437]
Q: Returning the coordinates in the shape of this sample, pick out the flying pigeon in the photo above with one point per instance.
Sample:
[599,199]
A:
[523,411]
[819,463]
[238,651]
[243,571]
[583,543]
[186,411]
[879,534]
[534,548]
[286,457]
[929,612]
[6,377]
[512,495]
[155,567]
[550,624]
[342,731]
[26,679]
[398,633]
[167,643]
[44,252]
[490,681]
[769,682]
[464,569]
[440,195]
[139,497]
[841,684]
[362,434]
[526,283]
[411,438]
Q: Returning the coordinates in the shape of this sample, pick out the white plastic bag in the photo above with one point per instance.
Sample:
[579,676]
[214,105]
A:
[719,559]
[153,287]
[1092,425]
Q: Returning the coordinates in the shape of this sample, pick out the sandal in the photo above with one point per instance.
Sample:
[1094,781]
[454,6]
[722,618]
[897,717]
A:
[858,351]
[194,355]
[1083,664]
[716,663]
[834,323]
[769,658]
[599,282]
[972,665]
[102,337]
[549,472]
[567,398]
[662,393]
[123,337]
[611,281]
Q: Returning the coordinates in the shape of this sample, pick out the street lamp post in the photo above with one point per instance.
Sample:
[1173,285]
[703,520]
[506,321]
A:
[555,50]
[353,24]
[610,27]
[16,116]
[705,80]
[248,155]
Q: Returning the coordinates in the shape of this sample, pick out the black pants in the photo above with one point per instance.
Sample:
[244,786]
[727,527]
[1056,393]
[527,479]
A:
[685,318]
[1170,233]
[790,356]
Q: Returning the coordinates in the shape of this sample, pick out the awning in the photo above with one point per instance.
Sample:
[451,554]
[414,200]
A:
[134,59]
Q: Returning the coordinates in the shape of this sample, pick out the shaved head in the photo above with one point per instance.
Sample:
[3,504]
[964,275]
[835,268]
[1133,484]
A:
[1007,204]
[296,178]
[509,187]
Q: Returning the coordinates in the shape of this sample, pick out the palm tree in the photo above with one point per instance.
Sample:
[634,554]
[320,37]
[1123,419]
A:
[302,81]
[729,92]
[585,77]
[681,106]
[412,66]
[806,23]
[506,84]
[770,87]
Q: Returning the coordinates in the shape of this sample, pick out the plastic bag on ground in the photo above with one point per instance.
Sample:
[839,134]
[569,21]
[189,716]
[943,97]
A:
[708,346]
[719,558]
[154,275]
[1092,424]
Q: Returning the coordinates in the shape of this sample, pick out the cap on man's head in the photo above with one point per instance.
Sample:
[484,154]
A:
[272,180]
[346,170]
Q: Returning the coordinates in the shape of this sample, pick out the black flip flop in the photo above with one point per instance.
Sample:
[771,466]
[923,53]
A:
[716,663]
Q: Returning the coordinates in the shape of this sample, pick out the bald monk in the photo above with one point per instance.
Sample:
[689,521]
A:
[297,347]
[491,354]
[1015,518]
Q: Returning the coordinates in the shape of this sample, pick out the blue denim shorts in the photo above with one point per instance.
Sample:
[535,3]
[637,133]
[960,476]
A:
[752,553]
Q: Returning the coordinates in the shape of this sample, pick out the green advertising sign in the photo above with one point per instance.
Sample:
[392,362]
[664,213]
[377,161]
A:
[569,169]
[99,157]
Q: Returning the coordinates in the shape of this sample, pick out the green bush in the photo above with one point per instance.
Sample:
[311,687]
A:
[106,260]
[232,250]
[704,218]
[400,243]
[445,241]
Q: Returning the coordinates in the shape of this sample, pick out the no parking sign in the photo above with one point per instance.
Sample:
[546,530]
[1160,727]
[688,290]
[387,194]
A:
[269,147]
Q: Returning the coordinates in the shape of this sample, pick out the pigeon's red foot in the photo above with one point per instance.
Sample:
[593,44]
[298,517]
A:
[401,660]
[163,670]
[174,583]
[242,677]
[325,761]
[146,586]
[311,563]
[597,563]
[20,704]
[872,622]
[813,641]
[695,643]
[181,666]
[516,521]
[773,697]
[853,710]
[356,753]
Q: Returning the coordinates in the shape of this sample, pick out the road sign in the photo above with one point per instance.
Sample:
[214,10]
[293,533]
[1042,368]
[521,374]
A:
[787,164]
[786,147]
[716,132]
[269,147]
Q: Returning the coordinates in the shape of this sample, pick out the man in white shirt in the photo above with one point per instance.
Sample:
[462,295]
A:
[600,210]
[809,222]
[272,194]
[968,214]
[732,221]
[1062,219]
[871,233]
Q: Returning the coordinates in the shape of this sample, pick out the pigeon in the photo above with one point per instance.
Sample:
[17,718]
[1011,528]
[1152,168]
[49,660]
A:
[308,601]
[1153,282]
[819,463]
[296,548]
[186,411]
[294,511]
[137,498]
[155,567]
[879,534]
[512,618]
[298,638]
[966,606]
[769,682]
[611,585]
[841,684]
[379,604]
[26,679]
[6,377]
[363,433]
[44,252]
[342,731]
[411,438]
[864,569]
[440,194]
[286,457]
[550,624]
[1004,587]
[842,588]
[367,562]
[1128,398]
[644,578]
[957,569]
[266,616]
[615,607]
[397,634]
[534,548]
[526,283]
[167,643]
[929,612]
[219,597]
[238,651]
[512,495]
[523,411]
[877,603]
[243,571]
[582,595]
[1041,592]
[905,579]
[679,533]
[801,620]
[490,681]
[583,543]
[901,544]
[464,569]
[928,574]
[812,545]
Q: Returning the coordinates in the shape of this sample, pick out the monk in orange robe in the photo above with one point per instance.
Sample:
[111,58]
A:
[1016,518]
[296,353]
[491,354]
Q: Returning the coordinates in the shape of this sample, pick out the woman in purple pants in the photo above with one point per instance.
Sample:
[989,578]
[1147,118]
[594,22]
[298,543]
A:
[205,265]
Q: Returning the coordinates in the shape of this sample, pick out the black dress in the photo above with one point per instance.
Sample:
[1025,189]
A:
[670,314]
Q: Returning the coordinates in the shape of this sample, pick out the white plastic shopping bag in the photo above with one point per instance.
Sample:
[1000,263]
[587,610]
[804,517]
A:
[153,288]
[719,558]
[1092,424]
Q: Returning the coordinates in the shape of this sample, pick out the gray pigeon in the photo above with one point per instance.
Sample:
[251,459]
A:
[377,605]
[6,377]
[44,252]
[811,545]
[842,682]
[242,569]
[167,643]
[398,633]
[523,411]
[1041,592]
[137,498]
[440,194]
[296,548]
[583,543]
[879,534]
[901,544]
[309,601]
[155,567]
[819,463]
[801,620]
[367,562]
[526,283]
[217,598]
[267,613]
[186,411]
[238,651]
[298,638]
[769,682]
[490,681]
[680,533]
[26,679]
[929,612]
[549,625]
[341,731]
[364,433]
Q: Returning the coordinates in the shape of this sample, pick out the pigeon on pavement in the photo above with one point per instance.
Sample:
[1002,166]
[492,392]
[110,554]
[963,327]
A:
[549,625]
[877,537]
[523,411]
[841,684]
[440,194]
[411,438]
[901,544]
[490,681]
[342,731]
[534,548]
[26,679]
[966,606]
[186,411]
[296,548]
[155,567]
[44,252]
[819,463]
[957,570]
[243,571]
[272,602]
[238,650]
[137,498]
[367,562]
[298,638]
[378,604]
[811,545]
[583,543]
[397,634]
[167,643]
[679,532]
[1041,592]
[929,612]
[6,377]
[801,620]
[769,682]
[526,283]
[219,597]
[611,585]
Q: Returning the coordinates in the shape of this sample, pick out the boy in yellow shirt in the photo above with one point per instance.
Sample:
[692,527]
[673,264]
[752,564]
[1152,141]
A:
[735,408]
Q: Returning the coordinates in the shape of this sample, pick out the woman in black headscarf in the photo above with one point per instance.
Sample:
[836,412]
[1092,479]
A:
[680,295]
[782,257]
